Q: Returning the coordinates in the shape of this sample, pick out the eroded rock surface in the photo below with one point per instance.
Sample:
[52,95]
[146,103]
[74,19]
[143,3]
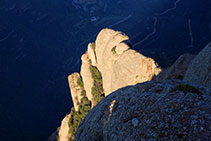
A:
[87,76]
[200,69]
[150,110]
[75,89]
[64,134]
[119,65]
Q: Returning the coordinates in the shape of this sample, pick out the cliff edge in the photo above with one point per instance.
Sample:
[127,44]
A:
[108,65]
[172,106]
[155,110]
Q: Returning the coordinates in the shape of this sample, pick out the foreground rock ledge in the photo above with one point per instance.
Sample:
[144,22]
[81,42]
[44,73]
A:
[149,111]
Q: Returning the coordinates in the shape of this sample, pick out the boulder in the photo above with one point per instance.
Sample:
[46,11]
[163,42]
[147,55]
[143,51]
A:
[200,69]
[150,111]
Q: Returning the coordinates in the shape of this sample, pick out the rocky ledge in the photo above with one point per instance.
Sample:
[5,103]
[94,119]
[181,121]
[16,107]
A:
[168,110]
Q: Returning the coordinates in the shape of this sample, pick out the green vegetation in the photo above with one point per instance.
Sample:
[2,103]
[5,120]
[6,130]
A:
[113,50]
[85,105]
[80,82]
[83,93]
[92,45]
[58,129]
[186,88]
[77,116]
[97,89]
[90,61]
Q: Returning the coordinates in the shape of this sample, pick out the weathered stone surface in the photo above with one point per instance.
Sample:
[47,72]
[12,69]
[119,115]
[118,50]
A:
[200,69]
[75,89]
[64,134]
[119,65]
[121,48]
[178,69]
[131,68]
[91,54]
[87,76]
[149,111]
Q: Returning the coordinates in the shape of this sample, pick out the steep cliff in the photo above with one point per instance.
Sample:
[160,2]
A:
[144,111]
[119,65]
[64,134]
[108,64]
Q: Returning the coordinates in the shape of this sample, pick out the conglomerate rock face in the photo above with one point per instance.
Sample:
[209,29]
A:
[119,65]
[151,110]
[200,69]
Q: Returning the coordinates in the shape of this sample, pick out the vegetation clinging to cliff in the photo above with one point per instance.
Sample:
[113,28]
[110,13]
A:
[85,105]
[77,116]
[97,88]
[113,50]
[80,82]
[93,45]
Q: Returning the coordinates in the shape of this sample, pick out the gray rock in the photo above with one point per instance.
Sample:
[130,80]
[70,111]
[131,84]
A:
[140,112]
[199,71]
[135,122]
[178,69]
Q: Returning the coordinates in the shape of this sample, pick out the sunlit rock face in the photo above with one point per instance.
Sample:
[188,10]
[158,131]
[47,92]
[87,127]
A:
[200,70]
[118,64]
[87,76]
[75,89]
[121,66]
[150,111]
[64,134]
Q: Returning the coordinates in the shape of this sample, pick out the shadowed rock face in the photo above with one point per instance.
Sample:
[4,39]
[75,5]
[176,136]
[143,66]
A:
[178,69]
[150,111]
[200,70]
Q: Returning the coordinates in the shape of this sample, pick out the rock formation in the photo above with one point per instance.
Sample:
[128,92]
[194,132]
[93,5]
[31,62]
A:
[119,65]
[75,89]
[86,75]
[200,69]
[166,110]
[64,134]
[108,64]
[178,69]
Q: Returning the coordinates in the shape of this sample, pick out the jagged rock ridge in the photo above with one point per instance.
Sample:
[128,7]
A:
[108,64]
[118,64]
